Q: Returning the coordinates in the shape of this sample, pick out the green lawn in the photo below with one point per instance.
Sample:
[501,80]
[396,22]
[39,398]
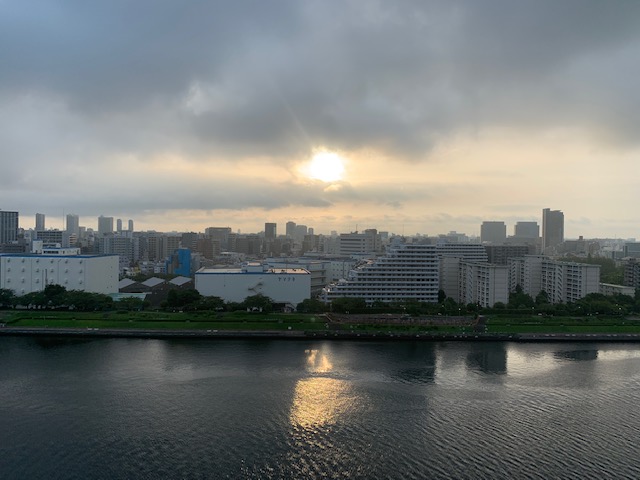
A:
[165,320]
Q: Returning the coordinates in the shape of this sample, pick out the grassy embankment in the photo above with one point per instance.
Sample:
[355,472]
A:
[535,324]
[165,320]
[495,324]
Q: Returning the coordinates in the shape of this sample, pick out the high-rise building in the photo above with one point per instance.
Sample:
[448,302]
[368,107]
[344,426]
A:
[221,234]
[359,243]
[130,225]
[119,225]
[270,231]
[39,221]
[105,225]
[8,226]
[526,230]
[493,232]
[73,224]
[552,228]
[291,229]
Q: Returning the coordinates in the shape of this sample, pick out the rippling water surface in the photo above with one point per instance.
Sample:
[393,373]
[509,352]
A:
[120,409]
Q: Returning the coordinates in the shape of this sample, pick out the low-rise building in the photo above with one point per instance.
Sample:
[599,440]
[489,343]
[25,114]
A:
[282,285]
[26,273]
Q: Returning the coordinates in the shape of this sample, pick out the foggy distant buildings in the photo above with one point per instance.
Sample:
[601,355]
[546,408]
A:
[552,229]
[73,224]
[270,231]
[526,230]
[493,232]
[40,221]
[8,226]
[359,243]
[105,225]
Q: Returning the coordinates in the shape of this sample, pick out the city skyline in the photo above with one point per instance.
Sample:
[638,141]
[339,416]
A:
[411,117]
[94,225]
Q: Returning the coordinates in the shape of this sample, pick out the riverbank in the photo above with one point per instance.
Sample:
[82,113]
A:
[313,335]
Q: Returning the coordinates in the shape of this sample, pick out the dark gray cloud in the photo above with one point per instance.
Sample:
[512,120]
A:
[395,75]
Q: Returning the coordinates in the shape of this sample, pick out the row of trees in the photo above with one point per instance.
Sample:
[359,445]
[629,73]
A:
[57,297]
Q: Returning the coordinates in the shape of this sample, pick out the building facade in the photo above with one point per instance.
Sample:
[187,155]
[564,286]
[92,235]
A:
[8,226]
[552,229]
[406,271]
[282,285]
[562,281]
[32,273]
[493,232]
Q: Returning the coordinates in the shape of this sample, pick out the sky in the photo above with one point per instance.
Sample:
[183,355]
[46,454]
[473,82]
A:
[428,115]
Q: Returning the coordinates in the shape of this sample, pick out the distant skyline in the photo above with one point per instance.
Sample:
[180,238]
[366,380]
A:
[412,116]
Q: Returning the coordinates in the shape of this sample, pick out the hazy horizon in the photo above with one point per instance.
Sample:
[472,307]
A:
[422,116]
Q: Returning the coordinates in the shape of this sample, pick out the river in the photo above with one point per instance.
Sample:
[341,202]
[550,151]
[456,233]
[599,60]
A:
[183,409]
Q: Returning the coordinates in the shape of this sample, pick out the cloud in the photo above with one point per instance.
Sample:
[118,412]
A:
[84,85]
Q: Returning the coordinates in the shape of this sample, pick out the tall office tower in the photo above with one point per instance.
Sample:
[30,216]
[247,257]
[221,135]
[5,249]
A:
[300,232]
[494,232]
[39,221]
[310,231]
[291,229]
[8,226]
[552,228]
[73,224]
[526,230]
[270,231]
[130,225]
[119,225]
[105,225]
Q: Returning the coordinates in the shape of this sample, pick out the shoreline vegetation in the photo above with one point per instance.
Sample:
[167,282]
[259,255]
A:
[491,327]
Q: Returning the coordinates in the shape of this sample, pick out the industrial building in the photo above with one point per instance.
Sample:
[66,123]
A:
[283,285]
[26,273]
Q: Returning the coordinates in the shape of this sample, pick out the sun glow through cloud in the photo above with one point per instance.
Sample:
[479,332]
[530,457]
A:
[326,166]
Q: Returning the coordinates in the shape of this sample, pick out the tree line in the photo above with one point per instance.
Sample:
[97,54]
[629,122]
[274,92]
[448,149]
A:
[59,298]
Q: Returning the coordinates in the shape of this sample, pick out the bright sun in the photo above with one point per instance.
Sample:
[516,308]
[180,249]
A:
[326,166]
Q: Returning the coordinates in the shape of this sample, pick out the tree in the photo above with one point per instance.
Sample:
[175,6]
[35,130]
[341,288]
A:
[211,303]
[33,300]
[441,296]
[349,305]
[55,295]
[520,300]
[259,301]
[542,298]
[183,298]
[7,298]
[311,305]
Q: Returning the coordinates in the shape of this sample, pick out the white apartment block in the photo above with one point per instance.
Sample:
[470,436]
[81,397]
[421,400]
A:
[470,252]
[484,284]
[406,271]
[563,281]
[26,273]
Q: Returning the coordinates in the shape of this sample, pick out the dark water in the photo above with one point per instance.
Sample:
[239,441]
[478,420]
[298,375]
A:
[121,409]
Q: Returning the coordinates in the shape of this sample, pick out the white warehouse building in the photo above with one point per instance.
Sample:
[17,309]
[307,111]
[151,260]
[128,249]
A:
[26,273]
[282,285]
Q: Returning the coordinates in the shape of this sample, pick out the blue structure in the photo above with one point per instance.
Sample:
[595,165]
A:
[179,263]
